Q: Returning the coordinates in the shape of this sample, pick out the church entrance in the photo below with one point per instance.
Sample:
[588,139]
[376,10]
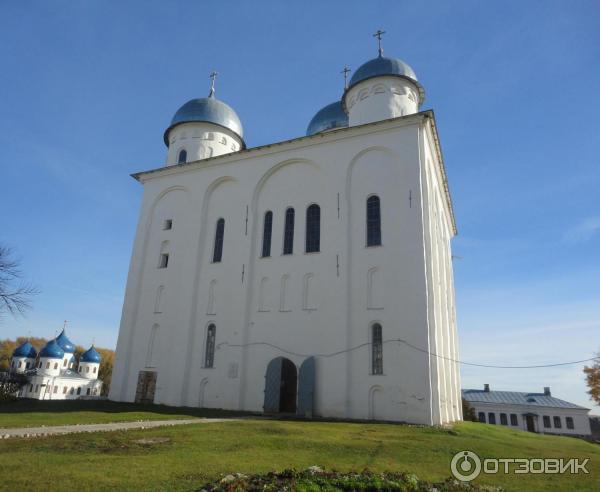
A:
[281,381]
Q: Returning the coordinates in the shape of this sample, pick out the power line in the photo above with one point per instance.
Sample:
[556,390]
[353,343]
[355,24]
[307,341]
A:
[414,347]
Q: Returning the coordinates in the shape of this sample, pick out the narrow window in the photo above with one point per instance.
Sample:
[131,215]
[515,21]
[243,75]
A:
[87,392]
[168,224]
[37,387]
[267,232]
[94,371]
[288,232]
[481,417]
[64,390]
[313,229]
[31,388]
[151,353]
[570,423]
[56,365]
[12,364]
[72,391]
[26,367]
[209,358]
[48,365]
[80,368]
[513,419]
[219,233]
[182,157]
[164,260]
[79,390]
[547,422]
[557,423]
[492,418]
[503,419]
[377,349]
[55,389]
[87,369]
[373,221]
[40,365]
[64,362]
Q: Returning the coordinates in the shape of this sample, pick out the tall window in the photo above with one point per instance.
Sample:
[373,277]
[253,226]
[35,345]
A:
[219,233]
[209,358]
[373,221]
[481,417]
[503,419]
[377,349]
[267,232]
[182,158]
[569,422]
[557,423]
[313,228]
[513,419]
[492,418]
[288,232]
[547,422]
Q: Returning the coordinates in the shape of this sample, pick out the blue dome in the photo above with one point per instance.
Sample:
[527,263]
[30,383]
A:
[382,66]
[65,343]
[25,350]
[208,110]
[330,117]
[52,350]
[90,355]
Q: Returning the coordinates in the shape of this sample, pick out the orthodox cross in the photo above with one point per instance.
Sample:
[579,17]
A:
[213,76]
[65,325]
[346,71]
[378,35]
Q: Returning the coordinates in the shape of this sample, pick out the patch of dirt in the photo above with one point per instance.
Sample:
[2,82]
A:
[152,440]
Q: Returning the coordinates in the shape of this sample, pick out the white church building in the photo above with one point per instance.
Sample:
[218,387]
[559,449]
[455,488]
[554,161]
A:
[311,276]
[54,373]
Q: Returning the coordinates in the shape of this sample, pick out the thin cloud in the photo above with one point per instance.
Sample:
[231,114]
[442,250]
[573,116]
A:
[584,230]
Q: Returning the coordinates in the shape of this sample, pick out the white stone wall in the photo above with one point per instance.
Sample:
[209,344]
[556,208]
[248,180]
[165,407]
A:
[200,141]
[46,387]
[301,305]
[580,417]
[380,98]
[19,364]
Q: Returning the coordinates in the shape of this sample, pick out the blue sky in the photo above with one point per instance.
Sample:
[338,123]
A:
[87,89]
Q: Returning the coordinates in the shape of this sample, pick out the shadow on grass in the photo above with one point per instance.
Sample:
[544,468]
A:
[105,406]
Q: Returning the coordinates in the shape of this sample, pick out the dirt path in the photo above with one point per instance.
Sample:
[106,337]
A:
[115,426]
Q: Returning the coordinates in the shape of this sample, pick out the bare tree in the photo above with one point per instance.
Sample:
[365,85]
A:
[15,294]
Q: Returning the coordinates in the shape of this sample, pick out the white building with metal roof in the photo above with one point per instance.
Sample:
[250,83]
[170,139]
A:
[311,276]
[533,412]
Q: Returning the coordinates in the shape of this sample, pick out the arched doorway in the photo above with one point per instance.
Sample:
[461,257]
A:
[281,382]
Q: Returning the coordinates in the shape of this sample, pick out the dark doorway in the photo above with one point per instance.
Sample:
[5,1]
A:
[530,423]
[146,386]
[281,381]
[289,380]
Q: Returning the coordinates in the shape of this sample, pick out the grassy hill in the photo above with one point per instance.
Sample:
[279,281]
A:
[188,456]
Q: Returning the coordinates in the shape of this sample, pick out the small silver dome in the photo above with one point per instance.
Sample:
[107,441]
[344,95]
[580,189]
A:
[330,117]
[382,66]
[209,110]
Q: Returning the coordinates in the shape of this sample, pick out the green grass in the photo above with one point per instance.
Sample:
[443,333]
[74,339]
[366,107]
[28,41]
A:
[197,453]
[34,413]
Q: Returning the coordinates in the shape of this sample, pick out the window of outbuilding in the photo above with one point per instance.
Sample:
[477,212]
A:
[503,419]
[481,417]
[547,423]
[569,421]
[491,418]
[373,221]
[557,422]
[514,419]
[313,229]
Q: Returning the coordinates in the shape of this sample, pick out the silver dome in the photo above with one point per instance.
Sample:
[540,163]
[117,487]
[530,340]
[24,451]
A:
[208,110]
[330,117]
[382,66]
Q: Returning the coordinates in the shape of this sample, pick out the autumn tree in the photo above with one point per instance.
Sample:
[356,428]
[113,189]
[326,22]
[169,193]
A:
[592,376]
[468,411]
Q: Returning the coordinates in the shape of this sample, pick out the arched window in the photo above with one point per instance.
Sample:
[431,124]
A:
[377,349]
[209,357]
[219,234]
[373,221]
[267,232]
[313,228]
[182,158]
[288,232]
